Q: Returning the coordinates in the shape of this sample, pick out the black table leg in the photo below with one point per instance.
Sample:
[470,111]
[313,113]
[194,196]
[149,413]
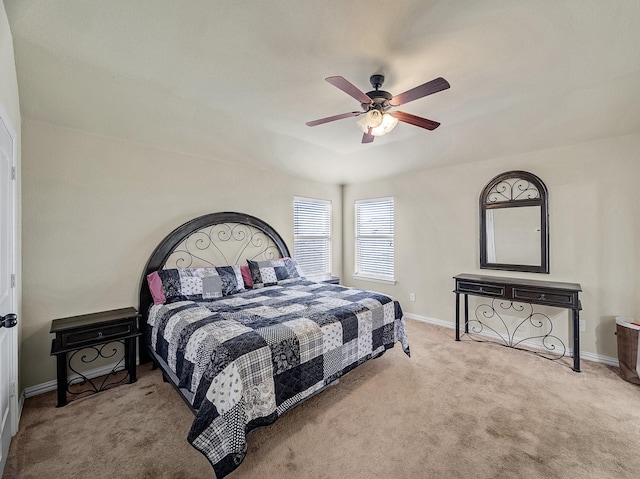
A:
[576,340]
[61,363]
[130,354]
[466,313]
[457,317]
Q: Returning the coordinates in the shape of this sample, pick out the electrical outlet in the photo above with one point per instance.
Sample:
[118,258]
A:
[412,296]
[583,325]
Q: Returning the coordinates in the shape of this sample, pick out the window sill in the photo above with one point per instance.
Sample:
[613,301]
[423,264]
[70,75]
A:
[374,280]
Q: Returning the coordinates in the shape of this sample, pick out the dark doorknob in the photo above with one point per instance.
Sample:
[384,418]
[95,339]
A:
[8,321]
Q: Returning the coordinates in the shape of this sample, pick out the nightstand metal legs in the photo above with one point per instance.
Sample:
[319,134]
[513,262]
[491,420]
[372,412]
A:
[61,362]
[81,384]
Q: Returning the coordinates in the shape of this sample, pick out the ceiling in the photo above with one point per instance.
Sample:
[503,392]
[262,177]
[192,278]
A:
[237,80]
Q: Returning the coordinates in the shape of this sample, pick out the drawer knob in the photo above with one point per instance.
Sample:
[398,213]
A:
[100,334]
[542,297]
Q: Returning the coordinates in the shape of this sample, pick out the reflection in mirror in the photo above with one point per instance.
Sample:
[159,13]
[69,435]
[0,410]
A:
[514,233]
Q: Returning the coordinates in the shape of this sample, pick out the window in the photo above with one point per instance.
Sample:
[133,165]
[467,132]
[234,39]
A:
[312,236]
[374,239]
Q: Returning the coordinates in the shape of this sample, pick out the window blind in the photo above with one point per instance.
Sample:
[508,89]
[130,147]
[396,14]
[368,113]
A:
[374,238]
[312,235]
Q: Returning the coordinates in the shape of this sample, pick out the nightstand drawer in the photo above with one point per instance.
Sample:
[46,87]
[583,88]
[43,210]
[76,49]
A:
[480,288]
[93,335]
[544,297]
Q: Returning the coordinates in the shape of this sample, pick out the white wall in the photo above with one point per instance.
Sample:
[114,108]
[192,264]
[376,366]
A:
[96,207]
[594,231]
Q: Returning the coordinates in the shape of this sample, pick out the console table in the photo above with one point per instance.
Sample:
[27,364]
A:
[504,292]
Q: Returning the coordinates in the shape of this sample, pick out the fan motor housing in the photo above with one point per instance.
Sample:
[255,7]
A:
[380,100]
[380,97]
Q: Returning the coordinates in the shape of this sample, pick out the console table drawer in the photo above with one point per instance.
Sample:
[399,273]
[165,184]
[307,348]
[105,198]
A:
[541,296]
[480,288]
[91,335]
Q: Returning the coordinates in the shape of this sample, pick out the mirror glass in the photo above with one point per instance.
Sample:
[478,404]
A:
[514,233]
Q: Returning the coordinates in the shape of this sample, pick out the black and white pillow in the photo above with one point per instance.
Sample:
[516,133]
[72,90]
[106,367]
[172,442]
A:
[198,284]
[275,271]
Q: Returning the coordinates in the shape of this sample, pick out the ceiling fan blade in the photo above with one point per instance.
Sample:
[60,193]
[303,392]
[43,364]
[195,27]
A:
[349,89]
[334,118]
[420,91]
[368,137]
[415,120]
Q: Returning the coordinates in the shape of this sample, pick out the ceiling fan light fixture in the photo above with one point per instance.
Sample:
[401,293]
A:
[377,123]
[388,123]
[372,119]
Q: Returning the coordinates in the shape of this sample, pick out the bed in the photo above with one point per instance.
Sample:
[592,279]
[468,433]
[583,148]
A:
[240,357]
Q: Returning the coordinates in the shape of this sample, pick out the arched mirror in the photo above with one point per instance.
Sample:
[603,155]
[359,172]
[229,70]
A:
[514,223]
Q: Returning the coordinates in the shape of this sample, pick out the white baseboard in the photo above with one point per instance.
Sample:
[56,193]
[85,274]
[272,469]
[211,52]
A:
[426,319]
[52,385]
[597,358]
[583,354]
[21,405]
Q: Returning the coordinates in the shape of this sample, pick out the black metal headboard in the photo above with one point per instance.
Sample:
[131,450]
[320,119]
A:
[186,246]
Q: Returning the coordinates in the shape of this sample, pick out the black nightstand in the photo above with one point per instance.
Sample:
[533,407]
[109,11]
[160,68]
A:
[332,280]
[94,332]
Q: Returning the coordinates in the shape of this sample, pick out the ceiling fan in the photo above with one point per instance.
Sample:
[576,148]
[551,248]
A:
[377,103]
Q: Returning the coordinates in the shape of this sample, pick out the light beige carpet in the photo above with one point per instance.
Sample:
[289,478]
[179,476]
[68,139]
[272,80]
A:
[452,410]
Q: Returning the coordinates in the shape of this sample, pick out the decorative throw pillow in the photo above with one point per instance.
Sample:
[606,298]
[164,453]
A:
[155,286]
[246,276]
[275,271]
[197,284]
[231,277]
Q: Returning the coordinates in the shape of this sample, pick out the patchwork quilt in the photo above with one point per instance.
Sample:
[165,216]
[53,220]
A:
[249,357]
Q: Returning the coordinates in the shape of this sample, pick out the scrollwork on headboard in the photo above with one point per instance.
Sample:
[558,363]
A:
[223,244]
[217,239]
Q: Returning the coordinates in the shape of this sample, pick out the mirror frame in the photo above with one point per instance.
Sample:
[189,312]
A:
[526,196]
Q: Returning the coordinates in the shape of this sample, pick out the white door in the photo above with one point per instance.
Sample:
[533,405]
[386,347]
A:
[8,334]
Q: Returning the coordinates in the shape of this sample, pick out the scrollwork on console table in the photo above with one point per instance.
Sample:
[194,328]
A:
[490,326]
[511,295]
